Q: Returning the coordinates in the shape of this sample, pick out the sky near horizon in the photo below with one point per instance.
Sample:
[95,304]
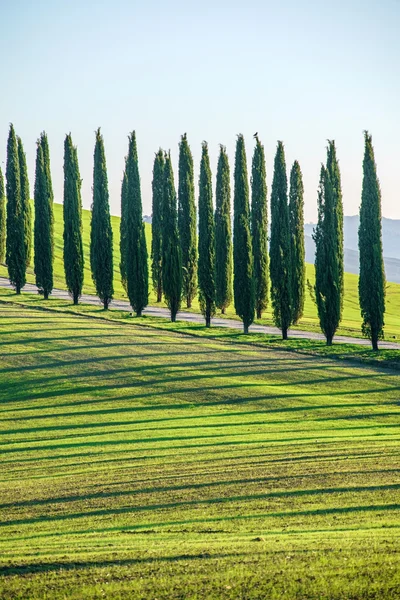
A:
[298,72]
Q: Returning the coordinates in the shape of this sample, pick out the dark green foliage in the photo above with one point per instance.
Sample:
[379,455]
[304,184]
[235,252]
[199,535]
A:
[123,228]
[327,261]
[243,284]
[279,250]
[73,248]
[15,242]
[332,165]
[137,274]
[25,202]
[296,226]
[223,234]
[171,251]
[43,231]
[259,228]
[2,219]
[371,284]
[46,156]
[156,225]
[187,222]
[101,235]
[206,239]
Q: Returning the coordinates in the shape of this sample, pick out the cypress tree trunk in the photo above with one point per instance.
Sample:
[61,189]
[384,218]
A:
[371,284]
[2,219]
[243,284]
[187,222]
[73,248]
[327,259]
[137,275]
[101,235]
[296,225]
[15,242]
[156,225]
[280,254]
[43,230]
[259,228]
[206,239]
[223,234]
[332,165]
[171,251]
[25,202]
[123,228]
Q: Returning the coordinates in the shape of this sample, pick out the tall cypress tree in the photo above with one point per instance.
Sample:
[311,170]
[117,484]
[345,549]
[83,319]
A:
[43,228]
[171,251]
[371,284]
[2,219]
[25,202]
[332,164]
[243,284]
[223,234]
[156,224]
[15,242]
[259,228]
[279,251]
[296,226]
[187,222]
[137,274]
[73,248]
[327,260]
[206,239]
[101,235]
[123,228]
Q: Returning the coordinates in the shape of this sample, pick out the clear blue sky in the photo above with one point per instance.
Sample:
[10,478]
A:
[300,72]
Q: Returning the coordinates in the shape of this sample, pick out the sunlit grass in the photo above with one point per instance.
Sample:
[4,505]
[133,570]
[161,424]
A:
[140,463]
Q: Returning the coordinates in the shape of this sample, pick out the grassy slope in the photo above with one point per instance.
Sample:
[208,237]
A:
[140,463]
[351,316]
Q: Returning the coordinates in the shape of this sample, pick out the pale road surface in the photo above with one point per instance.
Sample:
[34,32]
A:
[159,311]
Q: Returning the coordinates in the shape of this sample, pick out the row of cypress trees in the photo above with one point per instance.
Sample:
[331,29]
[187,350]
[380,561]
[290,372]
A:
[222,266]
[221,270]
[16,220]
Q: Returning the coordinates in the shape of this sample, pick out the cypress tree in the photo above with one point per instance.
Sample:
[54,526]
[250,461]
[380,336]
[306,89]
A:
[25,201]
[123,228]
[137,275]
[15,242]
[296,226]
[206,239]
[2,219]
[327,260]
[279,252]
[156,225]
[371,284]
[171,251]
[46,156]
[259,228]
[101,235]
[43,228]
[332,164]
[223,234]
[243,284]
[187,222]
[73,248]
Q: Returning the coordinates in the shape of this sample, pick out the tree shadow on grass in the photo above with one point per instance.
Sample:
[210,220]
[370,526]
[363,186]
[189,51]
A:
[61,566]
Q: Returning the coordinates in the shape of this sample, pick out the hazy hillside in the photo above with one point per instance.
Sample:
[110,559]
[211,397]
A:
[391,246]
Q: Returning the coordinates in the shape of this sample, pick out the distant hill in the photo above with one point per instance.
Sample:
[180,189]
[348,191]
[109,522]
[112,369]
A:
[391,246]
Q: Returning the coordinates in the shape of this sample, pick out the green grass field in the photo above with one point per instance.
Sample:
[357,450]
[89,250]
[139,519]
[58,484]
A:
[140,463]
[351,323]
